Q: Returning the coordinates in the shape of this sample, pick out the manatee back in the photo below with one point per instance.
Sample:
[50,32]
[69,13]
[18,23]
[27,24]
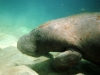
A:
[81,31]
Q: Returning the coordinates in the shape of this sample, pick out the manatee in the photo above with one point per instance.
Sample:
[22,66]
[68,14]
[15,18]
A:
[76,37]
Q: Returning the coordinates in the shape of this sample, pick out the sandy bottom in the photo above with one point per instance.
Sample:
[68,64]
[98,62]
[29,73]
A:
[10,35]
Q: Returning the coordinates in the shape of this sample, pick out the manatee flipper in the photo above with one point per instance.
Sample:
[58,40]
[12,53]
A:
[66,59]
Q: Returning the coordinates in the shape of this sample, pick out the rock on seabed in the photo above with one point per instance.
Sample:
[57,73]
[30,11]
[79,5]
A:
[18,70]
[13,62]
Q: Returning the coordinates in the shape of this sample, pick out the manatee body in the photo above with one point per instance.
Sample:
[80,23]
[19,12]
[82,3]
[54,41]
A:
[76,37]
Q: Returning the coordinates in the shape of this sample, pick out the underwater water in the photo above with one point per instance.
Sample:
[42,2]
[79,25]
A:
[18,17]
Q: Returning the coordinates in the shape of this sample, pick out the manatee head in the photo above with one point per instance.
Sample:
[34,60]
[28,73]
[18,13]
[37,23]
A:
[27,46]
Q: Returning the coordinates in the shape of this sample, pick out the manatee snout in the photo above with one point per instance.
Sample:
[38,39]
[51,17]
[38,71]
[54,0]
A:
[26,46]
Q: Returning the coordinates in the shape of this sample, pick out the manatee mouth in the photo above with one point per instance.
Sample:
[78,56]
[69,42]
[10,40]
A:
[27,49]
[34,53]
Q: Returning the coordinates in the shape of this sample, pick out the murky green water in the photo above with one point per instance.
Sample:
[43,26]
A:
[18,17]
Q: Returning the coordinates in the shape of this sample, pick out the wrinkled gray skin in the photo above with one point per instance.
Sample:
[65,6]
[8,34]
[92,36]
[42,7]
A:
[75,36]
